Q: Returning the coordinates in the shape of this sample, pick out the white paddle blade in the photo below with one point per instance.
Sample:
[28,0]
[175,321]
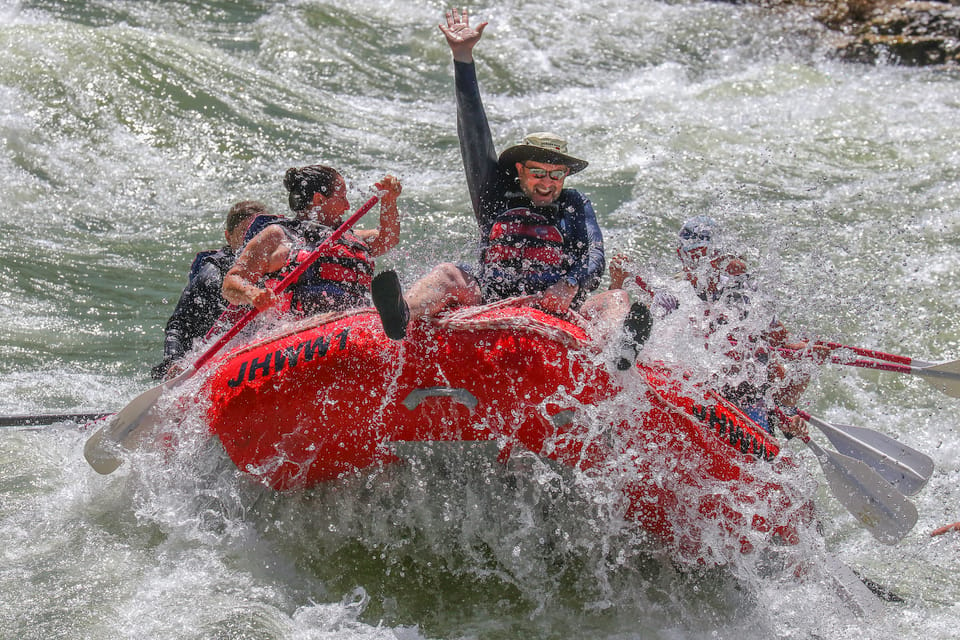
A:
[104,449]
[873,501]
[851,589]
[945,377]
[101,453]
[904,467]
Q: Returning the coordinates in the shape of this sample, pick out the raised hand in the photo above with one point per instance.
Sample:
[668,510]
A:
[620,268]
[460,35]
[389,188]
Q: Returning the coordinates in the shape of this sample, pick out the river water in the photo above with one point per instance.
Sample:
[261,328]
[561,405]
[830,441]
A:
[128,128]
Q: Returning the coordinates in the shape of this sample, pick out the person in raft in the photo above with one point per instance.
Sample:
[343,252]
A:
[536,237]
[340,278]
[201,301]
[721,280]
[714,275]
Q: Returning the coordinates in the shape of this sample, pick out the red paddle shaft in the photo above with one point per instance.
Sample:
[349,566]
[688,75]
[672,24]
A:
[292,277]
[797,354]
[869,353]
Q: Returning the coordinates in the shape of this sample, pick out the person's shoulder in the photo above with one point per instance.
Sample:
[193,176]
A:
[576,203]
[277,231]
[261,222]
[203,259]
[573,196]
[210,270]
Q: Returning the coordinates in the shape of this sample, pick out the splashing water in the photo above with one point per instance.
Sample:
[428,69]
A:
[128,129]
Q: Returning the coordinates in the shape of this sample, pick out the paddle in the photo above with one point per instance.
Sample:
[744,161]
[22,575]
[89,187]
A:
[852,588]
[103,448]
[876,355]
[49,418]
[873,501]
[905,468]
[944,376]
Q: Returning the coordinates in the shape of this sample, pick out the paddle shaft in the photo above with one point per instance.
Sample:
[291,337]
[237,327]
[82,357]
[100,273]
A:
[873,353]
[880,366]
[292,277]
[945,376]
[925,369]
[49,418]
[100,449]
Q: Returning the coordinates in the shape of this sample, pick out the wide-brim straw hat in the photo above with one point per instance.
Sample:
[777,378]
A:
[543,147]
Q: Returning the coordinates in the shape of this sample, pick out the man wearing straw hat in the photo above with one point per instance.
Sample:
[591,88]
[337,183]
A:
[536,237]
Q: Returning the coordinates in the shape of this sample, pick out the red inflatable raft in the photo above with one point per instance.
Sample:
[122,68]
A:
[331,395]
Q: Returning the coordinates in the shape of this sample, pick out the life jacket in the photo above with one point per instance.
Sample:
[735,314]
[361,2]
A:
[339,279]
[222,258]
[260,223]
[524,250]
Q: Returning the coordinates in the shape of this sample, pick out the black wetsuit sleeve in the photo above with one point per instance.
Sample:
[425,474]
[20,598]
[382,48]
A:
[200,304]
[476,141]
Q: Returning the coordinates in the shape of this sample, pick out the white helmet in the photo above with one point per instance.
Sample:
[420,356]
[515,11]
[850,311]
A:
[698,238]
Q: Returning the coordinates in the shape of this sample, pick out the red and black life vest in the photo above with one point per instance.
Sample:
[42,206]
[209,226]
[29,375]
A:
[339,279]
[526,240]
[524,251]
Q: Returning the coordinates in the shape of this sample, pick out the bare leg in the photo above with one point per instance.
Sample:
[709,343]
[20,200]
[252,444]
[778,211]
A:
[605,311]
[613,317]
[447,285]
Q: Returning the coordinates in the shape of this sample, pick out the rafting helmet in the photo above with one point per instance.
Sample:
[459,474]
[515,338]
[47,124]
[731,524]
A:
[697,238]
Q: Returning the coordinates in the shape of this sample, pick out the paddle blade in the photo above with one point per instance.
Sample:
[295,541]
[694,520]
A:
[852,589]
[873,501]
[101,453]
[905,468]
[104,449]
[945,377]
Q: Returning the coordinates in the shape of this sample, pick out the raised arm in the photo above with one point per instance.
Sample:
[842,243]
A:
[476,142]
[460,35]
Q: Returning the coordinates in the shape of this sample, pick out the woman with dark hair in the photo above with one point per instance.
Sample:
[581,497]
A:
[340,278]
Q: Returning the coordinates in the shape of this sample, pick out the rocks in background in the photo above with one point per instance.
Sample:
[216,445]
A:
[907,32]
[896,31]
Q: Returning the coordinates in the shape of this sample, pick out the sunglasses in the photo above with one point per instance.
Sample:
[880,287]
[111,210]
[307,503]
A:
[556,174]
[703,236]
